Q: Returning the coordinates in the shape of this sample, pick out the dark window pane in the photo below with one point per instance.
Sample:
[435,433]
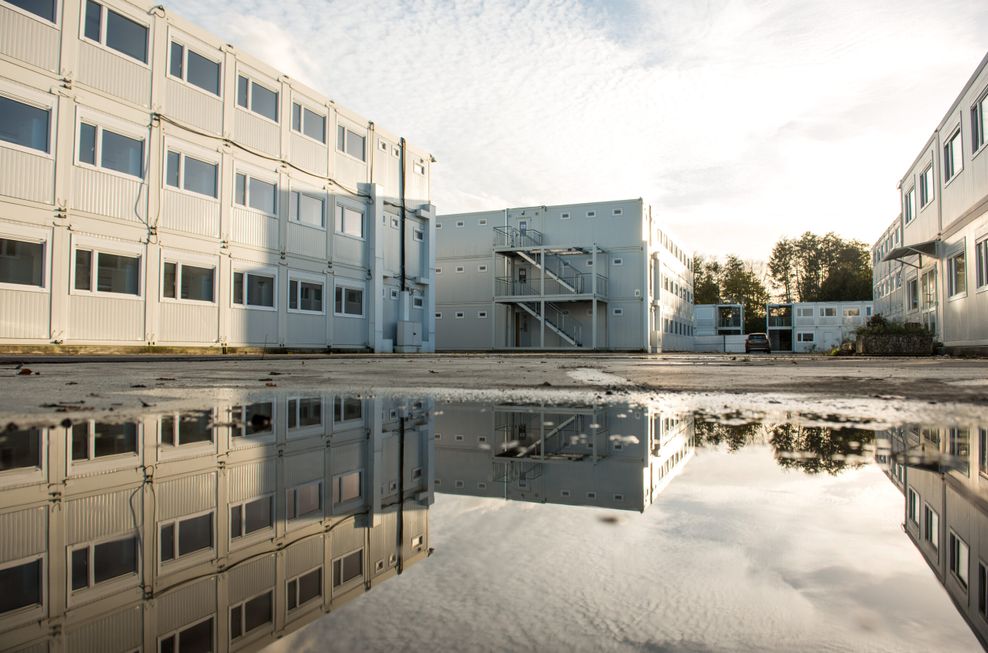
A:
[177,66]
[311,295]
[120,274]
[200,177]
[80,441]
[262,195]
[238,287]
[308,499]
[21,586]
[197,283]
[240,190]
[315,126]
[309,412]
[113,439]
[264,101]
[170,281]
[236,521]
[351,408]
[127,36]
[353,566]
[122,153]
[354,302]
[243,84]
[310,586]
[236,622]
[257,515]
[292,594]
[293,294]
[20,449]
[195,427]
[204,73]
[93,16]
[341,138]
[113,559]
[258,417]
[260,290]
[198,638]
[23,124]
[297,116]
[172,169]
[195,534]
[355,145]
[22,263]
[339,300]
[167,645]
[43,8]
[87,144]
[83,269]
[168,542]
[257,612]
[80,569]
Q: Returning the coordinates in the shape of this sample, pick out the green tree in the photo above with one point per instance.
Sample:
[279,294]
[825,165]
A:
[740,285]
[815,268]
[706,281]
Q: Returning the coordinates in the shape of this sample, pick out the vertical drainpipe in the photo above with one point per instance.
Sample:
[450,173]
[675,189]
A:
[399,530]
[404,213]
[941,269]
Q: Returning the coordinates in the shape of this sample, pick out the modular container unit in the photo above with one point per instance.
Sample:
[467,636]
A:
[163,188]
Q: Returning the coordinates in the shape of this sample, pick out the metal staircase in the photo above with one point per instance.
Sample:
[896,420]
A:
[556,268]
[558,322]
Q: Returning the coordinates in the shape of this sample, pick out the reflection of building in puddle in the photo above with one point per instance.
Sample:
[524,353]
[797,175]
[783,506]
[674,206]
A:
[943,475]
[209,530]
[608,456]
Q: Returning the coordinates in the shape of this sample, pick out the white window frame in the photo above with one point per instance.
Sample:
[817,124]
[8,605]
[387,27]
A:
[952,276]
[291,497]
[981,264]
[96,247]
[927,183]
[192,624]
[352,206]
[117,126]
[909,204]
[176,417]
[36,236]
[313,601]
[979,124]
[175,36]
[265,82]
[301,277]
[38,100]
[565,216]
[40,19]
[591,214]
[418,167]
[417,235]
[824,313]
[418,301]
[91,546]
[852,311]
[459,315]
[348,284]
[345,585]
[617,311]
[481,315]
[965,581]
[237,539]
[617,212]
[954,146]
[245,438]
[249,634]
[339,400]
[336,479]
[117,9]
[308,429]
[246,269]
[177,523]
[266,177]
[305,103]
[180,259]
[439,315]
[927,510]
[320,194]
[92,463]
[801,336]
[351,128]
[42,589]
[191,151]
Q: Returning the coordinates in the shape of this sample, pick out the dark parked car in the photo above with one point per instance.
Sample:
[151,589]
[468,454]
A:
[757,342]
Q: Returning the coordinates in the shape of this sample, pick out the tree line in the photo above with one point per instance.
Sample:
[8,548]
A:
[809,268]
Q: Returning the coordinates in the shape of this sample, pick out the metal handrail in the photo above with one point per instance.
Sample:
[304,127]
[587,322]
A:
[515,237]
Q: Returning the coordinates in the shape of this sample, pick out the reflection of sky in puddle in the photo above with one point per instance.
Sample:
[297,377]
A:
[626,527]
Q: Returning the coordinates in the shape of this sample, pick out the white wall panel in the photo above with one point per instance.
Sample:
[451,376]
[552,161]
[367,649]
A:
[303,556]
[26,176]
[28,39]
[185,212]
[24,314]
[349,331]
[122,631]
[114,74]
[186,605]
[257,132]
[31,526]
[307,241]
[108,194]
[189,323]
[306,329]
[253,327]
[103,515]
[250,579]
[105,319]
[190,106]
[249,481]
[253,228]
[309,154]
[186,496]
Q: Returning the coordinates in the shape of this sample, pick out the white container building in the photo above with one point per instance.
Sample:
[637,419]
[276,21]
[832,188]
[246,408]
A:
[162,188]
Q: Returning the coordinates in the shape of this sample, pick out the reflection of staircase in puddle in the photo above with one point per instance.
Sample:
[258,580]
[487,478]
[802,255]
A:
[556,320]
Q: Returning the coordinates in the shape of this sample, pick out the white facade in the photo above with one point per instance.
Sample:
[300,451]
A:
[814,326]
[942,258]
[596,276]
[162,188]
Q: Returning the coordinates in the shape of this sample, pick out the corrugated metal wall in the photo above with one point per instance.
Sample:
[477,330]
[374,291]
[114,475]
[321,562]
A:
[107,194]
[114,74]
[252,228]
[28,39]
[24,314]
[31,526]
[103,515]
[190,106]
[251,578]
[194,215]
[303,556]
[251,480]
[186,496]
[257,132]
[26,176]
[106,318]
[121,631]
[186,604]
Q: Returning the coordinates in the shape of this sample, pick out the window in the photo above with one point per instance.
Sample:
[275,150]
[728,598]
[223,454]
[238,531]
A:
[591,214]
[909,205]
[482,315]
[257,98]
[253,419]
[417,235]
[255,193]
[618,311]
[305,296]
[42,8]
[956,275]
[805,337]
[418,302]
[346,409]
[439,316]
[979,123]
[953,156]
[350,142]
[618,211]
[22,585]
[185,536]
[459,315]
[980,256]
[481,268]
[22,263]
[958,558]
[304,588]
[482,222]
[418,168]
[258,289]
[349,221]
[93,564]
[187,428]
[304,412]
[251,516]
[190,282]
[111,150]
[251,614]
[193,175]
[347,568]
[116,31]
[926,186]
[304,500]
[308,122]
[95,440]
[982,590]
[346,487]
[20,449]
[912,290]
[307,209]
[196,637]
[564,216]
[113,273]
[24,125]
[804,312]
[931,526]
[828,311]
[852,312]
[194,68]
[619,261]
[349,301]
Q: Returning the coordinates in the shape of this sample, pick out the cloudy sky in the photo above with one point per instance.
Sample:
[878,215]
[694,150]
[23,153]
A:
[740,121]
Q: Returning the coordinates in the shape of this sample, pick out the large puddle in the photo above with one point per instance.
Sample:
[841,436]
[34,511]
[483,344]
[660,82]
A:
[318,521]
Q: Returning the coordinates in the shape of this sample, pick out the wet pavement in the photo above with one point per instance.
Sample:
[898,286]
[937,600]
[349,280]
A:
[604,519]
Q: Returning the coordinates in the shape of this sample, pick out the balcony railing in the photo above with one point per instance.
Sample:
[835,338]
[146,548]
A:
[515,237]
[575,284]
